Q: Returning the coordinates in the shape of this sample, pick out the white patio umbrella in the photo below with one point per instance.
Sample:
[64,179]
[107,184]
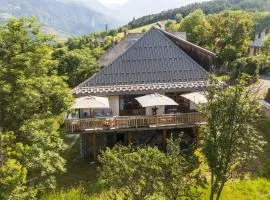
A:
[195,97]
[91,102]
[153,100]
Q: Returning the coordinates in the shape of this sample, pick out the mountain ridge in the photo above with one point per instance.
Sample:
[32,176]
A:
[65,16]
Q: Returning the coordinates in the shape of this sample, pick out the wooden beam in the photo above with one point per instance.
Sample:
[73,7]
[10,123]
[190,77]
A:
[129,138]
[94,145]
[164,139]
[197,135]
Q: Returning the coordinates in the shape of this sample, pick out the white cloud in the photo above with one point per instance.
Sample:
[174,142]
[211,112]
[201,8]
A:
[111,2]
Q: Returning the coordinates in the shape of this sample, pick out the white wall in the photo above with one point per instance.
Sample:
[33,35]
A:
[114,104]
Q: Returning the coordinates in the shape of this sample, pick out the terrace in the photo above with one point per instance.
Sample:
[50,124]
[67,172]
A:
[134,123]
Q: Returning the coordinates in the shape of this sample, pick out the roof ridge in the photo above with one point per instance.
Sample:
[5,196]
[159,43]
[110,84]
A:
[90,78]
[187,42]
[191,59]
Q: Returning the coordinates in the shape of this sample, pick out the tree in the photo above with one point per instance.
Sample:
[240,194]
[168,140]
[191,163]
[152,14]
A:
[113,32]
[138,171]
[172,26]
[33,100]
[230,36]
[143,172]
[182,176]
[230,138]
[12,173]
[178,17]
[77,65]
[197,28]
[247,65]
[266,46]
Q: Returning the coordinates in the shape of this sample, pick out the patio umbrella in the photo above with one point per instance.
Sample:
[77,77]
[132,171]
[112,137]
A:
[91,102]
[153,100]
[195,97]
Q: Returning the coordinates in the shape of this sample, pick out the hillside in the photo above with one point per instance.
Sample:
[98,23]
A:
[208,8]
[66,17]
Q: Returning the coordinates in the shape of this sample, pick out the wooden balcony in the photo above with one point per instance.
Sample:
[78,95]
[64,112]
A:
[133,123]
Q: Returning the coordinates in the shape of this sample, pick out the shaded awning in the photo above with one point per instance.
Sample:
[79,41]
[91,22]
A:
[195,97]
[91,102]
[156,99]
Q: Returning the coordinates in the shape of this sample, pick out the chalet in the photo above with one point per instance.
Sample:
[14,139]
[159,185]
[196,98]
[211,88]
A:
[156,62]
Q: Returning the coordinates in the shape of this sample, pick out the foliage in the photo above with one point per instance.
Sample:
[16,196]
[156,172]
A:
[29,107]
[230,137]
[182,176]
[172,26]
[249,66]
[113,32]
[143,172]
[12,173]
[77,65]
[261,21]
[139,171]
[196,27]
[178,17]
[210,7]
[266,46]
[230,35]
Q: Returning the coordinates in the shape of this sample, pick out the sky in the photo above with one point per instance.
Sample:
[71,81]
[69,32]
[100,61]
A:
[110,2]
[125,10]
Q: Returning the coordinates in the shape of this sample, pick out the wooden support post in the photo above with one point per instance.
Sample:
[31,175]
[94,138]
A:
[197,135]
[129,138]
[94,145]
[164,139]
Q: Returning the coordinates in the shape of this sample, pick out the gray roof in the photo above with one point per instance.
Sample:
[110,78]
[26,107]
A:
[149,62]
[115,51]
[119,48]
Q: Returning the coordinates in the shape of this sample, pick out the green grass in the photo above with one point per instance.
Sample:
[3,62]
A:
[263,168]
[79,171]
[238,190]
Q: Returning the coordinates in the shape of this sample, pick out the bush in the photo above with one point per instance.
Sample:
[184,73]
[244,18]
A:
[145,172]
[247,65]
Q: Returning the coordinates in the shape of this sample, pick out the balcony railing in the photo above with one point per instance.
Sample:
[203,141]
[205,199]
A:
[134,122]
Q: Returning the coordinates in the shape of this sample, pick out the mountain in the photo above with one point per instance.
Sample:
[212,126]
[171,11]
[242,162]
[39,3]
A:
[208,7]
[138,8]
[63,16]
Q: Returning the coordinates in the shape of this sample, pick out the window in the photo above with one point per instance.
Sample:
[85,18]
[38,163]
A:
[129,106]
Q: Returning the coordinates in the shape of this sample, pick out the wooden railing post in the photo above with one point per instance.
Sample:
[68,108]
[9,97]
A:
[164,139]
[94,143]
[129,138]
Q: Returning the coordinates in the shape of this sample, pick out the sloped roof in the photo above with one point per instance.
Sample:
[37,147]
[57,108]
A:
[152,59]
[125,43]
[119,48]
[154,62]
